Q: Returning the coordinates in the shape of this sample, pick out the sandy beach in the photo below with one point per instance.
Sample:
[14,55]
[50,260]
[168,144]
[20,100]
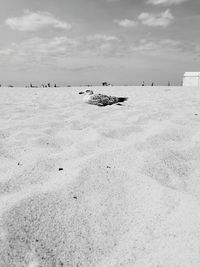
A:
[82,185]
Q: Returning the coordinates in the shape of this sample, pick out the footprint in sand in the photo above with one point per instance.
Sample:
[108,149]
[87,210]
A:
[169,168]
[4,134]
[46,142]
[121,133]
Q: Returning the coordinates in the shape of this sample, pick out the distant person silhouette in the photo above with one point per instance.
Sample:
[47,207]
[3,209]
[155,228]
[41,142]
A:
[143,84]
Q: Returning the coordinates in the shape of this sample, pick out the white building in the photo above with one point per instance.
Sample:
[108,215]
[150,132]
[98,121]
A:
[191,79]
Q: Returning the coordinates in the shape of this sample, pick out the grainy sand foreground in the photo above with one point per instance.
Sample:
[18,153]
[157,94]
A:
[129,191]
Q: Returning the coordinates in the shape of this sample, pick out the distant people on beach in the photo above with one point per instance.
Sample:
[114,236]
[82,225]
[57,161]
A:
[104,84]
[152,84]
[32,86]
[47,85]
[143,83]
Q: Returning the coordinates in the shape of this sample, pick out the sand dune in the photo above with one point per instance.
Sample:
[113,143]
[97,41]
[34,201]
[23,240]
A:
[82,185]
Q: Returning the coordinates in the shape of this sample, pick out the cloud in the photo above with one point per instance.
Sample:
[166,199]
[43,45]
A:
[102,37]
[6,52]
[165,2]
[126,23]
[160,19]
[144,45]
[33,21]
[39,51]
[46,47]
[57,53]
[103,45]
[162,47]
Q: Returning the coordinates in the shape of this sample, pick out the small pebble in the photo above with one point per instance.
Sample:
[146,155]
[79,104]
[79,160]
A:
[108,167]
[60,169]
[75,197]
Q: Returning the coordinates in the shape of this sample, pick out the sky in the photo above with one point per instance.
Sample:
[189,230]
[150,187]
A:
[81,42]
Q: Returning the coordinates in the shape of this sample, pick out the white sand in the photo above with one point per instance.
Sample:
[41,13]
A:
[129,191]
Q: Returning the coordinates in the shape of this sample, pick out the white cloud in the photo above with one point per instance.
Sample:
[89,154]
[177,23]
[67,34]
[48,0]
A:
[126,23]
[51,51]
[165,2]
[39,51]
[106,47]
[144,45]
[171,43]
[57,53]
[33,21]
[102,37]
[160,47]
[156,19]
[103,45]
[6,52]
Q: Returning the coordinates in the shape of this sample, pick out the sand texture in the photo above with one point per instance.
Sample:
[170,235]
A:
[89,186]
